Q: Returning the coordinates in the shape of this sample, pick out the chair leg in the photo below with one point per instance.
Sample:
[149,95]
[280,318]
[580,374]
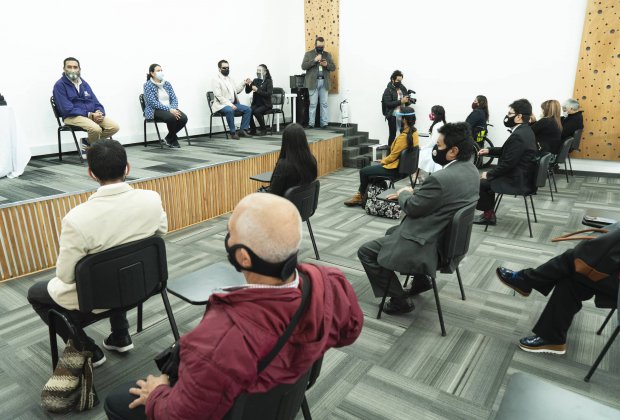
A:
[77,146]
[224,125]
[566,171]
[53,339]
[549,182]
[533,209]
[189,143]
[527,212]
[385,293]
[139,318]
[603,352]
[443,328]
[570,163]
[406,281]
[600,330]
[555,185]
[210,125]
[305,409]
[458,276]
[415,181]
[144,132]
[173,324]
[316,250]
[59,146]
[158,135]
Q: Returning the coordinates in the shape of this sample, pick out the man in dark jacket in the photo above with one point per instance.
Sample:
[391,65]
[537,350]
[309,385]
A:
[514,171]
[318,65]
[573,120]
[590,269]
[219,358]
[412,246]
[394,95]
[77,104]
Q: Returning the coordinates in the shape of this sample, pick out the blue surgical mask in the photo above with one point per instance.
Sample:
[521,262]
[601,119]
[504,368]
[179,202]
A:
[159,75]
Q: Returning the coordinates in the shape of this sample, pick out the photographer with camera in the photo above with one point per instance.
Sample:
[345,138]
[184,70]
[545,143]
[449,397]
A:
[317,64]
[395,96]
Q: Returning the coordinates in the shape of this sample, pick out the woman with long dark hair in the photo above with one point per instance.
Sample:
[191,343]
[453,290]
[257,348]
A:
[160,102]
[426,163]
[479,115]
[407,139]
[262,87]
[296,165]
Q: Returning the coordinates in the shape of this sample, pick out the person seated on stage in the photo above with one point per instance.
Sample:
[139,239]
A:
[225,91]
[572,281]
[78,106]
[514,171]
[114,215]
[426,163]
[296,165]
[407,139]
[412,246]
[161,103]
[218,358]
[262,87]
[548,128]
[572,119]
[479,116]
[394,97]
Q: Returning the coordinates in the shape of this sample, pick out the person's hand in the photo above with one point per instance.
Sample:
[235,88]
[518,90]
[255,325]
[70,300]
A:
[403,189]
[392,197]
[483,152]
[248,81]
[98,116]
[254,88]
[144,389]
[176,113]
[483,176]
[323,62]
[234,107]
[404,100]
[318,57]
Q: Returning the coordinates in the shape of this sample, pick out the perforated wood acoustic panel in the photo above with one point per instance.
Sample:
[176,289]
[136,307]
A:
[323,19]
[597,84]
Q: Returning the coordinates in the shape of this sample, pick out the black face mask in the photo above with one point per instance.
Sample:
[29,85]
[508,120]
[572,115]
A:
[509,121]
[439,156]
[225,72]
[319,50]
[397,84]
[282,270]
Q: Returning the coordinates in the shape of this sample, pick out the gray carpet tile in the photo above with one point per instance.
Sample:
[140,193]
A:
[400,367]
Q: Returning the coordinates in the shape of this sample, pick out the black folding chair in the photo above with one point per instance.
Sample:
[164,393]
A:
[210,99]
[576,140]
[66,127]
[306,199]
[155,120]
[455,244]
[277,100]
[563,156]
[611,340]
[120,278]
[407,166]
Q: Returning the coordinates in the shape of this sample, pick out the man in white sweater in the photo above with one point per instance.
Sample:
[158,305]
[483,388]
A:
[115,214]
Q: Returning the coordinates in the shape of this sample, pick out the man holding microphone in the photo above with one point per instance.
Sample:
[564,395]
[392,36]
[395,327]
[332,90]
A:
[318,64]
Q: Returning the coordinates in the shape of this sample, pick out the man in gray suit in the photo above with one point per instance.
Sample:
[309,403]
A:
[412,246]
[318,63]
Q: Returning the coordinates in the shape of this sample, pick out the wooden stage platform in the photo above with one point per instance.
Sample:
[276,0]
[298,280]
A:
[196,183]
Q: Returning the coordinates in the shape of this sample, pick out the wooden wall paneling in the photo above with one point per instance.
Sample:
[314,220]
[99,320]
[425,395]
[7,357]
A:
[597,83]
[322,18]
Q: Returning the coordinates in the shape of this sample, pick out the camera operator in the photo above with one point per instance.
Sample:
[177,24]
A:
[394,96]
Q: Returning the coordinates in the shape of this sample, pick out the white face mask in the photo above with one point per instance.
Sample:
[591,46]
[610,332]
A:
[260,74]
[159,75]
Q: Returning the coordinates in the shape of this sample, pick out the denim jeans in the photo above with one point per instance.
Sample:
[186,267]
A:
[230,117]
[318,95]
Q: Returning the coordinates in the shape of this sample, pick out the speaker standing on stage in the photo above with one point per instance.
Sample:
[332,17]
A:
[318,64]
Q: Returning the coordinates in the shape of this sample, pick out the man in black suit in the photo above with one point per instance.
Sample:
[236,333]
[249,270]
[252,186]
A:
[514,171]
[412,246]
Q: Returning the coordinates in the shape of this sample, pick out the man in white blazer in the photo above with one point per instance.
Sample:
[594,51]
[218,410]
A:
[226,100]
[115,214]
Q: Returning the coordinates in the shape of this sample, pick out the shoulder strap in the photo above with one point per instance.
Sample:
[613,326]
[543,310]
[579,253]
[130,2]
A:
[305,297]
[571,236]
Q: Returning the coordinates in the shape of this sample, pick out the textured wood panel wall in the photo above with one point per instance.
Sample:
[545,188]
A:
[323,19]
[597,84]
[29,232]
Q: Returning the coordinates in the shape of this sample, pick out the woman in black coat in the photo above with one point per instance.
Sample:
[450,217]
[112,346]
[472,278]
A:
[548,129]
[262,87]
[479,115]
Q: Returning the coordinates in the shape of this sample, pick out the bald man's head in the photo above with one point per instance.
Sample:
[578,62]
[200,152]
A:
[267,224]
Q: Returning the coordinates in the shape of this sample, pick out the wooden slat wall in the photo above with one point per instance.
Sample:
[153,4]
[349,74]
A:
[323,19]
[29,232]
[597,83]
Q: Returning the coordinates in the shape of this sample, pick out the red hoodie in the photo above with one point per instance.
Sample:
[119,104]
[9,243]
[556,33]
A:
[219,357]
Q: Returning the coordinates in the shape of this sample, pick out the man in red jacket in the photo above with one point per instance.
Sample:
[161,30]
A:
[219,357]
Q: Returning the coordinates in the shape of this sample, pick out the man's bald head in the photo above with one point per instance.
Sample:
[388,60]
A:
[267,224]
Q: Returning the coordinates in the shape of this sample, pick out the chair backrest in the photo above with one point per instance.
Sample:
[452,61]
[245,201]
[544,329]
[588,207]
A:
[210,100]
[122,276]
[618,306]
[279,403]
[55,110]
[305,198]
[408,161]
[141,99]
[542,170]
[456,238]
[277,96]
[564,150]
[577,139]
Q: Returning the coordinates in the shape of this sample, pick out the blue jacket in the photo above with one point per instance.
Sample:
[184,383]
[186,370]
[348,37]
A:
[151,101]
[71,103]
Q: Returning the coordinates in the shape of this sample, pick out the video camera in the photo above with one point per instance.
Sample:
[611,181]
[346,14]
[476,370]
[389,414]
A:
[412,100]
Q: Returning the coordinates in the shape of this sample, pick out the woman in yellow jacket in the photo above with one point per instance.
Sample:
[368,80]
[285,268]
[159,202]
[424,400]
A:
[407,139]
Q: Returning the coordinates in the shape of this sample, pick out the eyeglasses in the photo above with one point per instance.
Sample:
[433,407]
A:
[225,68]
[511,114]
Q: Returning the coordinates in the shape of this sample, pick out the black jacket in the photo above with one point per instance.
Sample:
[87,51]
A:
[390,100]
[262,97]
[286,176]
[515,168]
[547,135]
[475,119]
[571,123]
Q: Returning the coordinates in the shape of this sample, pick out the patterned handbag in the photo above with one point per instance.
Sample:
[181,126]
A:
[378,207]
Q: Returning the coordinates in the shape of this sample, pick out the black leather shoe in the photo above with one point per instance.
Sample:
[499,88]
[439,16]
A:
[243,133]
[513,280]
[536,344]
[120,344]
[234,136]
[481,220]
[419,284]
[175,144]
[397,306]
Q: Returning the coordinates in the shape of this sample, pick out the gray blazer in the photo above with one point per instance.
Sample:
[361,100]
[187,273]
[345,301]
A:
[312,69]
[412,246]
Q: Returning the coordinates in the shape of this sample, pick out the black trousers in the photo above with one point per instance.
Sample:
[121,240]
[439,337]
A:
[259,112]
[487,196]
[174,125]
[117,404]
[42,302]
[558,275]
[392,127]
[379,276]
[372,171]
